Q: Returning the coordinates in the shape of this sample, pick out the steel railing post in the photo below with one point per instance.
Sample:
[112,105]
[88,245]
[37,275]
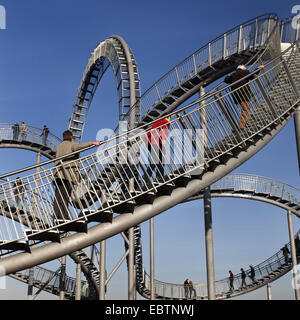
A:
[131,280]
[62,279]
[152,259]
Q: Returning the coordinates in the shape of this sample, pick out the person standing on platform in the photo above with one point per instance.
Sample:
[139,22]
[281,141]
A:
[186,288]
[16,131]
[24,131]
[44,134]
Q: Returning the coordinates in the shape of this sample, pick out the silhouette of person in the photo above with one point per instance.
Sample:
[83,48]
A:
[186,288]
[192,289]
[285,251]
[44,134]
[16,131]
[243,278]
[252,273]
[231,278]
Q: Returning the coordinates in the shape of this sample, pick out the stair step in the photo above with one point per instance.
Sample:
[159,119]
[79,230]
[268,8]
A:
[101,217]
[124,207]
[15,245]
[49,235]
[78,226]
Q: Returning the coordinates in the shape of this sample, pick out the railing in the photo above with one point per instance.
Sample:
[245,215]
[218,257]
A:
[251,34]
[33,135]
[289,29]
[107,172]
[263,274]
[238,182]
[42,276]
[259,184]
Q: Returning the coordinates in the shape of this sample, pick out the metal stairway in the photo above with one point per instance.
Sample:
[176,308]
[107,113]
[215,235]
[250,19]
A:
[242,186]
[177,177]
[215,161]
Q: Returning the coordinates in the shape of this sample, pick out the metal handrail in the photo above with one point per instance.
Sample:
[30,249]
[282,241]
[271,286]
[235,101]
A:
[154,89]
[238,182]
[42,275]
[109,192]
[33,134]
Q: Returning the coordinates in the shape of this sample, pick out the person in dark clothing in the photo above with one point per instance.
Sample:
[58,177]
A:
[242,93]
[252,273]
[243,278]
[186,288]
[16,131]
[67,175]
[297,245]
[44,134]
[285,251]
[231,278]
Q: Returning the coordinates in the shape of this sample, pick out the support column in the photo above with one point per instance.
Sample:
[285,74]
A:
[210,267]
[293,254]
[152,287]
[62,280]
[297,133]
[269,293]
[30,284]
[31,270]
[102,265]
[78,282]
[131,282]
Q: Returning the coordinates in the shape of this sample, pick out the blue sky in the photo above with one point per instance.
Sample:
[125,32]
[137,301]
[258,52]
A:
[43,55]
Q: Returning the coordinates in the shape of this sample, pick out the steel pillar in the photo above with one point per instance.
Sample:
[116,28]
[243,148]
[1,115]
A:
[78,282]
[30,284]
[210,267]
[31,270]
[269,293]
[152,287]
[62,280]
[293,254]
[297,133]
[131,280]
[102,264]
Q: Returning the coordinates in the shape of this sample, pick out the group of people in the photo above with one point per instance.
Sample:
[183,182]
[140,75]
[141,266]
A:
[22,130]
[189,289]
[251,275]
